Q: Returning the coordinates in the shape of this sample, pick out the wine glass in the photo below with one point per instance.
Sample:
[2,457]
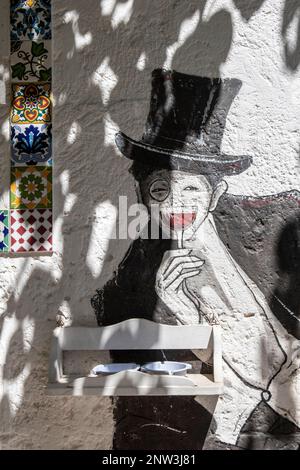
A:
[180,219]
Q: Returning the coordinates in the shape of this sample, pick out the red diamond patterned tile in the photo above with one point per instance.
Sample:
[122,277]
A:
[31,230]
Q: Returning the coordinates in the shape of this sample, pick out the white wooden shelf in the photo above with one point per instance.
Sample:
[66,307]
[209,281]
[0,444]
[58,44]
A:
[135,334]
[132,383]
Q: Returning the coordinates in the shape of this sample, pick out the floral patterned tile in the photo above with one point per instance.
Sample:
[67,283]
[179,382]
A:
[31,187]
[31,104]
[30,19]
[31,230]
[31,61]
[31,144]
[4,231]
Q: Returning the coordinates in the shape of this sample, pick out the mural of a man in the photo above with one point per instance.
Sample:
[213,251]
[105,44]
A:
[190,277]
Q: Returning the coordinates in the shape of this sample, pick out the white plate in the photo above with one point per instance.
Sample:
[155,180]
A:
[166,367]
[105,369]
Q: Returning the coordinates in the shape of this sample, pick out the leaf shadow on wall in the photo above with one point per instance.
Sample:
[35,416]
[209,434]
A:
[94,177]
[169,423]
[248,8]
[291,18]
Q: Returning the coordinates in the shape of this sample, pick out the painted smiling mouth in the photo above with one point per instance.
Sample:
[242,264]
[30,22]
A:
[179,220]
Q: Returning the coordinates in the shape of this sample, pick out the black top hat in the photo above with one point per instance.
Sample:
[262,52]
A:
[185,125]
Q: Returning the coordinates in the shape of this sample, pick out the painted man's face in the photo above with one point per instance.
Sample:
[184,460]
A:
[183,199]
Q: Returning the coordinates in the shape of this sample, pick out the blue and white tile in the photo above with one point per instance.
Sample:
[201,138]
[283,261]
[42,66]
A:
[30,19]
[31,144]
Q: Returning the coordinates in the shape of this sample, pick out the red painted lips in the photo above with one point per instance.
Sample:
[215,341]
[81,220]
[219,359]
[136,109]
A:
[181,220]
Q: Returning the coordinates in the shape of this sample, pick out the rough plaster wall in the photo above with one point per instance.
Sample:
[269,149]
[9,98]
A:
[104,52]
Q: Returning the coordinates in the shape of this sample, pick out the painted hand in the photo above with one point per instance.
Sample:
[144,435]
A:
[176,267]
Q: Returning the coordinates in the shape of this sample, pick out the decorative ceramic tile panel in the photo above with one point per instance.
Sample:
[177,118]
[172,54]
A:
[30,210]
[31,61]
[31,104]
[31,187]
[31,144]
[31,230]
[30,19]
[4,231]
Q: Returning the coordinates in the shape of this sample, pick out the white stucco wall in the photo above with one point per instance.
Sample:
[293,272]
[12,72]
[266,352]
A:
[103,55]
